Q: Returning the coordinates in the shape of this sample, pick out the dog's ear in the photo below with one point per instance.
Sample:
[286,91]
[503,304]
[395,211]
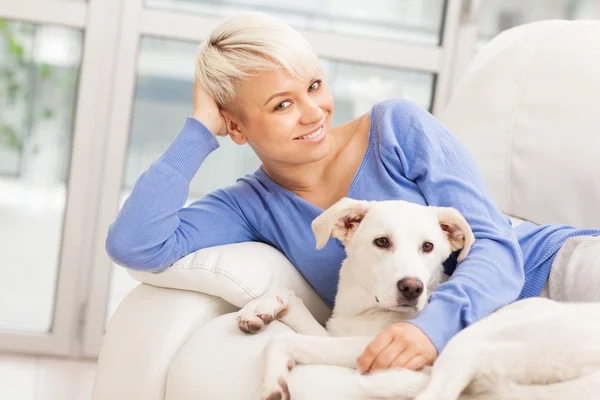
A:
[339,221]
[457,230]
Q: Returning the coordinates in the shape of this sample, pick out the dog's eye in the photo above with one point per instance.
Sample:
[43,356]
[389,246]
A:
[427,247]
[382,242]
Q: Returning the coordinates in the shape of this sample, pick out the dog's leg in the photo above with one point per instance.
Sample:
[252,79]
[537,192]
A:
[301,320]
[283,305]
[453,371]
[282,353]
[394,383]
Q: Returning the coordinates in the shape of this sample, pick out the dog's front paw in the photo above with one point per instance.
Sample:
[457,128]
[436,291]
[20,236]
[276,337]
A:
[278,391]
[262,311]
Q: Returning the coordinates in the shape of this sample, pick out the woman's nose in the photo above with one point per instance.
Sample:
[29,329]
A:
[311,113]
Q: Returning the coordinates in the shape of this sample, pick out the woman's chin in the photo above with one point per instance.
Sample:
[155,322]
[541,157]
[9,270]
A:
[316,154]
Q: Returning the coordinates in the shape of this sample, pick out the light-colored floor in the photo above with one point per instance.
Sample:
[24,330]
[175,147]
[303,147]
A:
[42,378]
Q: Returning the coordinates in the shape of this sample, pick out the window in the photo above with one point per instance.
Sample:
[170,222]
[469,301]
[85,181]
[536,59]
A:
[411,20]
[39,69]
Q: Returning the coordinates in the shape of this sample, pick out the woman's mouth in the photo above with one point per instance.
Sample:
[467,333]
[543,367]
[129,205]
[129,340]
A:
[316,136]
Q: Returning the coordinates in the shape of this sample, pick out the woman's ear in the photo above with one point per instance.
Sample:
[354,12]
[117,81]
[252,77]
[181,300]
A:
[234,128]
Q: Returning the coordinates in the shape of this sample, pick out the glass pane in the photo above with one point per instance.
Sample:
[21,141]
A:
[496,16]
[39,69]
[163,101]
[356,87]
[412,20]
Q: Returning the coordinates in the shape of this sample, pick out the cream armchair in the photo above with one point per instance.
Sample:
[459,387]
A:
[527,109]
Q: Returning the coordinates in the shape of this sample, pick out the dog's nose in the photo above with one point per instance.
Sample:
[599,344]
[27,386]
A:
[410,288]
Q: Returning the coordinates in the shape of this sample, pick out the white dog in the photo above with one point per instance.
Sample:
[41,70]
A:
[532,349]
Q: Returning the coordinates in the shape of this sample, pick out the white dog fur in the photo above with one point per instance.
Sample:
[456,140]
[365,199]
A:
[531,349]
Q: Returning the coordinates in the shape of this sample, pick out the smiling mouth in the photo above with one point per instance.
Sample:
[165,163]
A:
[315,135]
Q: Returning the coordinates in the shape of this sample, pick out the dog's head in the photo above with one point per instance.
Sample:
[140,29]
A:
[394,248]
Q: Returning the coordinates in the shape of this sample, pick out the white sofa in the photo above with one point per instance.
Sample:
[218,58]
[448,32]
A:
[528,109]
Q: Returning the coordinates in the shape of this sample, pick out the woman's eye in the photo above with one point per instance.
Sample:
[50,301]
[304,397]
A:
[314,86]
[382,242]
[427,247]
[283,105]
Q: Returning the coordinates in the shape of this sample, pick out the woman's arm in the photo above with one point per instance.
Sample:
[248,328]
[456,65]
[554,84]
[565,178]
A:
[152,230]
[492,275]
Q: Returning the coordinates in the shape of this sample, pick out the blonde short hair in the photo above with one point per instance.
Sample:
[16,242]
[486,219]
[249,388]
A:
[246,44]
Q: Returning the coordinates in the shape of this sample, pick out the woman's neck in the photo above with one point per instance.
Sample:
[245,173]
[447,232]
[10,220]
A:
[307,179]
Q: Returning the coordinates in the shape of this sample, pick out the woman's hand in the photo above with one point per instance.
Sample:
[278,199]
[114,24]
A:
[400,345]
[207,111]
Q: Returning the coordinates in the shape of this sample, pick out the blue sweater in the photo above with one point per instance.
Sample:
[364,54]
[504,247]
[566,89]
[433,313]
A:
[410,156]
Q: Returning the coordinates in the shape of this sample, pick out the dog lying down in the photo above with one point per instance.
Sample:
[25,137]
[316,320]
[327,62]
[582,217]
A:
[531,349]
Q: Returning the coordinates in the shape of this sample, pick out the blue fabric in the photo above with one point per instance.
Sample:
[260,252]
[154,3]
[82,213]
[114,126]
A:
[410,156]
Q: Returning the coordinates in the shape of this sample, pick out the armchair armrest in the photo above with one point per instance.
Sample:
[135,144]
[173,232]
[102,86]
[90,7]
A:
[145,333]
[237,273]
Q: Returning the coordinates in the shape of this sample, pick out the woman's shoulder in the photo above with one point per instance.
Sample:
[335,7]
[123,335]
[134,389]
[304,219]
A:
[398,110]
[394,120]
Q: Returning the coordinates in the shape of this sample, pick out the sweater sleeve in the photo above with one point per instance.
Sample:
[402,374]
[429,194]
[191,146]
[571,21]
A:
[492,274]
[153,230]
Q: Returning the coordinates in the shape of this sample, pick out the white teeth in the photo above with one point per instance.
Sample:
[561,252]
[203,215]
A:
[312,135]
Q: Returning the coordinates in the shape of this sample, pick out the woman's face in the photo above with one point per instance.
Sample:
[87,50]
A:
[285,120]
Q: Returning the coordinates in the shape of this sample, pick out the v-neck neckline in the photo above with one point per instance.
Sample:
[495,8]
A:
[357,174]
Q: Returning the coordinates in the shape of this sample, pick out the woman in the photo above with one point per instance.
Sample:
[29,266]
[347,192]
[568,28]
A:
[260,82]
